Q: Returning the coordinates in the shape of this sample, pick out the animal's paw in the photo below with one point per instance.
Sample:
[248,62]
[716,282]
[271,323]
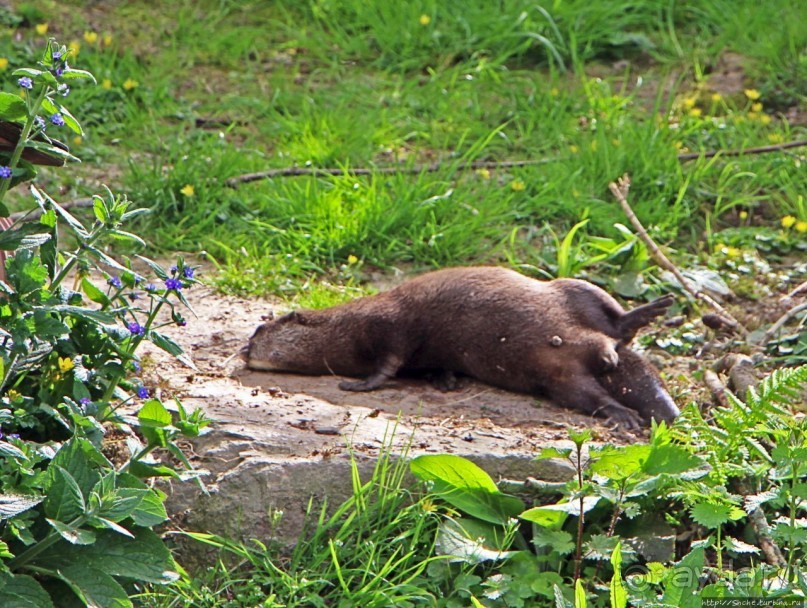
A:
[625,418]
[445,381]
[357,386]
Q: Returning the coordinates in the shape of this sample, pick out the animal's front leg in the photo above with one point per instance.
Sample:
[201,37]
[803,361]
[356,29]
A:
[387,369]
[582,392]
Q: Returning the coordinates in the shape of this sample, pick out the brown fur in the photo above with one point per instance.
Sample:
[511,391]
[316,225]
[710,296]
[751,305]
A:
[496,325]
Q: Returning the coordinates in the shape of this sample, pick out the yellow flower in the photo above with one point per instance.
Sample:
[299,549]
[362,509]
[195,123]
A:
[74,47]
[483,173]
[801,226]
[776,138]
[574,149]
[90,37]
[756,107]
[689,103]
[732,252]
[752,116]
[788,221]
[187,189]
[107,40]
[616,143]
[106,83]
[41,28]
[695,112]
[130,84]
[554,91]
[743,215]
[352,259]
[66,364]
[752,94]
[13,395]
[425,20]
[77,140]
[717,97]
[765,119]
[3,63]
[517,185]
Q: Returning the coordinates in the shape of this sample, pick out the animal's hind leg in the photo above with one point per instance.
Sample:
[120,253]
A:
[635,319]
[388,368]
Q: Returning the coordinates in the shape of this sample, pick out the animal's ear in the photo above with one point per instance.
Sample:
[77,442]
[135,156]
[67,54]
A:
[296,316]
[270,316]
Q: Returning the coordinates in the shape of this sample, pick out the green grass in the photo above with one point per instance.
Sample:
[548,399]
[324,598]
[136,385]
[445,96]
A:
[227,88]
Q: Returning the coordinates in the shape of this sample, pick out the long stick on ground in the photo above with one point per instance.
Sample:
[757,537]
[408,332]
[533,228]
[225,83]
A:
[620,191]
[234,182]
[758,150]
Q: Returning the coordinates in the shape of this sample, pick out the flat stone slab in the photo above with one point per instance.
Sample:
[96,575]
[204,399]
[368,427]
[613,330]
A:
[280,439]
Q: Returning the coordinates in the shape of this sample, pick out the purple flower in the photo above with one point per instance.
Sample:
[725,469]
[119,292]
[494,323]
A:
[136,329]
[26,83]
[174,269]
[57,120]
[134,296]
[151,287]
[173,284]
[115,282]
[5,172]
[59,70]
[135,366]
[188,272]
[40,122]
[56,55]
[143,392]
[85,401]
[63,89]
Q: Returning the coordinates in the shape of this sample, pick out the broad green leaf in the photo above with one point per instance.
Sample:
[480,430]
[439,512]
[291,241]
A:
[87,314]
[95,587]
[154,414]
[547,453]
[618,463]
[79,457]
[150,512]
[453,470]
[713,515]
[73,74]
[46,203]
[546,518]
[7,449]
[143,558]
[554,540]
[13,108]
[579,594]
[684,581]
[64,500]
[467,487]
[26,272]
[93,293]
[52,150]
[21,591]
[670,460]
[467,539]
[560,601]
[619,595]
[172,348]
[72,534]
[26,235]
[145,470]
[48,327]
[14,504]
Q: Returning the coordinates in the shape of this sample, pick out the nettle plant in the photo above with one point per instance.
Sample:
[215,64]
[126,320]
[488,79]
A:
[75,523]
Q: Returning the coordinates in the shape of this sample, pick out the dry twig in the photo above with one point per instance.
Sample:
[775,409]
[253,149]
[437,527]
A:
[620,191]
[758,150]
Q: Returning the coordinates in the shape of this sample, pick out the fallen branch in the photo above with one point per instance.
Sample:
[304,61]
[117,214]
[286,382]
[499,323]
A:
[234,182]
[620,191]
[716,387]
[747,151]
[771,331]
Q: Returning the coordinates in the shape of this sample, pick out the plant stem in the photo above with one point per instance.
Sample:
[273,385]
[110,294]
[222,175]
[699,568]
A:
[26,131]
[52,538]
[578,558]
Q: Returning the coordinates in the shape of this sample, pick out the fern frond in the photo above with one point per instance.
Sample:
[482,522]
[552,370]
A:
[781,386]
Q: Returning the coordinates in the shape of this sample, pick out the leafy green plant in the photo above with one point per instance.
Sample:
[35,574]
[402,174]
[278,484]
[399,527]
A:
[372,550]
[76,524]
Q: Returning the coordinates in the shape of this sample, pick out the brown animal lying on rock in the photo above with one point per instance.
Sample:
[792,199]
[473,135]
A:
[565,339]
